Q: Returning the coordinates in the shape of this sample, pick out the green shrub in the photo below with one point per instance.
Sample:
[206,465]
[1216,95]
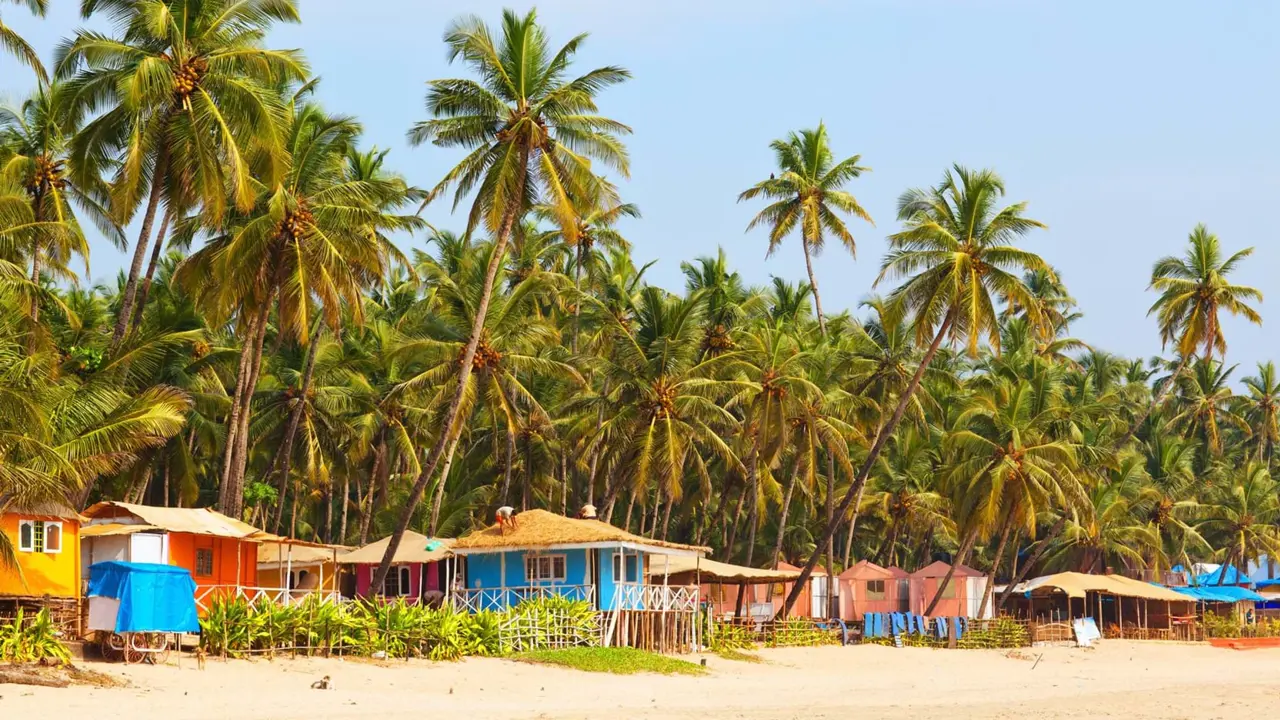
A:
[38,641]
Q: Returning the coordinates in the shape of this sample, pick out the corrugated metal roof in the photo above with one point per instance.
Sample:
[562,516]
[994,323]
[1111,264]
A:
[196,521]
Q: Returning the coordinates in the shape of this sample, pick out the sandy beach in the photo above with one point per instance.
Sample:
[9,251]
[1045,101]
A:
[1118,679]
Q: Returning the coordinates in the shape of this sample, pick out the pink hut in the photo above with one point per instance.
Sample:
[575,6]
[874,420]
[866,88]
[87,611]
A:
[418,571]
[960,598]
[866,587]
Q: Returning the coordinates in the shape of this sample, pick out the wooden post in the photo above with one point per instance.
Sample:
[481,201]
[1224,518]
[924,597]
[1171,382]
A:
[1120,615]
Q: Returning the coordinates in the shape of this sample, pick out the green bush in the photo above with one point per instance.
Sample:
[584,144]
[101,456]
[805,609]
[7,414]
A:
[38,641]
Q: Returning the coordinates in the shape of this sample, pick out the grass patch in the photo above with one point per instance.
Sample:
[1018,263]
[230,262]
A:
[739,656]
[618,661]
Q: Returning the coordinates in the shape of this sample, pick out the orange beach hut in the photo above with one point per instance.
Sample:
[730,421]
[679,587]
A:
[961,596]
[221,552]
[866,587]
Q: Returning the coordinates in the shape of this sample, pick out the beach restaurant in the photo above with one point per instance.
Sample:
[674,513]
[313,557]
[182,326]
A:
[725,588]
[1122,607]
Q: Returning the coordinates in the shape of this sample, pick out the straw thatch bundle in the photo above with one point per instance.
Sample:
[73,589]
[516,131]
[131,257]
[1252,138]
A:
[539,528]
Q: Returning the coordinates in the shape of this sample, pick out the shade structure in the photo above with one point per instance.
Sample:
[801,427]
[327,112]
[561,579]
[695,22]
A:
[1077,585]
[1221,594]
[676,567]
[275,552]
[194,521]
[414,548]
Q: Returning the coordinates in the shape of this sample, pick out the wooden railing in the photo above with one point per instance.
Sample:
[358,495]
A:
[656,598]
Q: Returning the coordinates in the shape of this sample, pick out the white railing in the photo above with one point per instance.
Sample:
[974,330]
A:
[281,596]
[481,599]
[656,598]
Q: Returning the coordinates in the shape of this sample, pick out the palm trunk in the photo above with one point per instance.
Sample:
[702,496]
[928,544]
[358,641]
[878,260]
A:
[753,490]
[1021,575]
[1155,403]
[631,507]
[464,372]
[346,500]
[813,283]
[328,514]
[832,585]
[989,591]
[284,456]
[233,420]
[577,299]
[438,502]
[156,251]
[506,470]
[864,470]
[848,542]
[886,554]
[37,213]
[158,178]
[241,457]
[966,547]
[732,526]
[782,519]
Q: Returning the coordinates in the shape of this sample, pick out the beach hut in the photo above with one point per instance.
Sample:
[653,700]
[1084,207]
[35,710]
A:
[960,598]
[221,552]
[46,545]
[866,587]
[814,600]
[302,569]
[544,554]
[418,571]
[721,586]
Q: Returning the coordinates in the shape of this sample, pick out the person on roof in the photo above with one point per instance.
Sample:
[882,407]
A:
[588,512]
[506,517]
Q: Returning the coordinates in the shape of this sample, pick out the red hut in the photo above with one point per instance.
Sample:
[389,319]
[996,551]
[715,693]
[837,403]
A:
[867,587]
[960,597]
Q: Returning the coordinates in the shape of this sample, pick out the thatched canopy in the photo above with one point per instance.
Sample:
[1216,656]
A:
[282,553]
[539,529]
[683,570]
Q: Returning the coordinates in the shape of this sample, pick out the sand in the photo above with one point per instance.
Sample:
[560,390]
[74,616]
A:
[1117,679]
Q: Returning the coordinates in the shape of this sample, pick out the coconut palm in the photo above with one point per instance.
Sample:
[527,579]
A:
[13,43]
[957,254]
[532,134]
[34,153]
[1240,518]
[808,193]
[1261,408]
[1194,290]
[1205,404]
[179,108]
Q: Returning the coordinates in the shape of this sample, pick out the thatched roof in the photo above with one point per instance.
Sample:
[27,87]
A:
[710,571]
[542,529]
[51,509]
[412,549]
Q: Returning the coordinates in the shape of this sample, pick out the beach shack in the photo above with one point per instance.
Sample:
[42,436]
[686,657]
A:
[866,587]
[418,572]
[46,546]
[301,568]
[960,598]
[221,552]
[545,555]
[813,601]
[728,590]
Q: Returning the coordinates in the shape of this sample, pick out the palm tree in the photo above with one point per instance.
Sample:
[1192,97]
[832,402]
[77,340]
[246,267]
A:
[314,237]
[1241,516]
[532,134]
[13,43]
[34,153]
[1194,290]
[1205,404]
[808,193]
[1261,409]
[956,251]
[179,106]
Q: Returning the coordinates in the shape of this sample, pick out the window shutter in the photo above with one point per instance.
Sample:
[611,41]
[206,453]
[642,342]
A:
[26,535]
[53,537]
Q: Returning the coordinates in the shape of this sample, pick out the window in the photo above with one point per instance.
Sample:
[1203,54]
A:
[397,583]
[544,568]
[626,568]
[26,536]
[204,562]
[53,537]
[949,591]
[875,589]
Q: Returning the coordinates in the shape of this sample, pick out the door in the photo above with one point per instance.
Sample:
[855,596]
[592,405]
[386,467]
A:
[818,584]
[147,548]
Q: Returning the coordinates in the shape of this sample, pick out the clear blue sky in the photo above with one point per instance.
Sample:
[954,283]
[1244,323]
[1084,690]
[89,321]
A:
[1123,124]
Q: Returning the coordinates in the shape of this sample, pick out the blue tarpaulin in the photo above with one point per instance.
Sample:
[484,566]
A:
[1225,575]
[1222,594]
[153,598]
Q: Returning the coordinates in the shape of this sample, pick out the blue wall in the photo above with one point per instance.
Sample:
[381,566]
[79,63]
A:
[484,572]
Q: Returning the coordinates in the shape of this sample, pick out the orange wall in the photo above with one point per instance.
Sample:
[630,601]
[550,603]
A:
[182,553]
[55,574]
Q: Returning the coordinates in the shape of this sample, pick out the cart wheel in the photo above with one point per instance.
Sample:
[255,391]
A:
[112,646]
[158,644]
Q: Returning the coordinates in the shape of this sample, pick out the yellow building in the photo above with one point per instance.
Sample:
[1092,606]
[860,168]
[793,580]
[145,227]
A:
[46,543]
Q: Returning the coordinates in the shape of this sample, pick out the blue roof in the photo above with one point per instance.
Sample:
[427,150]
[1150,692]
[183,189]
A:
[1267,583]
[1221,593]
[1225,575]
[153,598]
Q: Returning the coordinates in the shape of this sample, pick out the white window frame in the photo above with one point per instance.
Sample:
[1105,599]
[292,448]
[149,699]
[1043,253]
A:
[31,535]
[533,570]
[620,568]
[404,581]
[61,537]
